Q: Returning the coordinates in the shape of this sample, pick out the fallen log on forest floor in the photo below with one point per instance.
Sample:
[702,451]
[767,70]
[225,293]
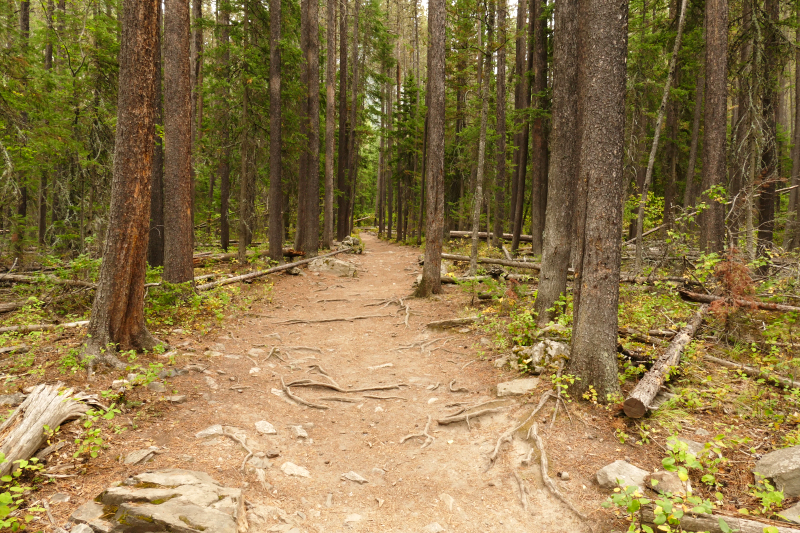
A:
[753,372]
[260,273]
[201,260]
[493,261]
[452,322]
[710,523]
[42,327]
[752,304]
[641,397]
[482,235]
[19,278]
[46,407]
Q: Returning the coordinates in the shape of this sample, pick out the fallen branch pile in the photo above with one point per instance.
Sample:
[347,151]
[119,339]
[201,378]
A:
[752,304]
[484,235]
[492,261]
[753,372]
[641,397]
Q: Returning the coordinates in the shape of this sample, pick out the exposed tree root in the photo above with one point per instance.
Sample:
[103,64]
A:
[337,388]
[298,399]
[459,389]
[326,320]
[523,491]
[508,435]
[240,441]
[428,438]
[546,478]
[373,397]
[465,417]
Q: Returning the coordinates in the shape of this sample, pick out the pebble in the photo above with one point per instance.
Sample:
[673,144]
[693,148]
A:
[433,527]
[59,497]
[273,453]
[291,469]
[181,398]
[265,428]
[352,518]
[299,432]
[564,476]
[353,476]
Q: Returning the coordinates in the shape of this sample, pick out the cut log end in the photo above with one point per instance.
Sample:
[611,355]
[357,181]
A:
[634,408]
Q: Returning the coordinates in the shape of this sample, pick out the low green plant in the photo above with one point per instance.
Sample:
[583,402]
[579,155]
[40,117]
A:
[12,495]
[91,440]
[767,495]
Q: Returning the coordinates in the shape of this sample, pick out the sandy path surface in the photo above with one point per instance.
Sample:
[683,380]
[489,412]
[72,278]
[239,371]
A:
[408,488]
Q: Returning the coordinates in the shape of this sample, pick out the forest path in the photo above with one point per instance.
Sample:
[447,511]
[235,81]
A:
[409,488]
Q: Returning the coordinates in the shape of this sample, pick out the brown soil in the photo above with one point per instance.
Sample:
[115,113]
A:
[406,482]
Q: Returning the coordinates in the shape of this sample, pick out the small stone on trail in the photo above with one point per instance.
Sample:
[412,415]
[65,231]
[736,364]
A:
[432,400]
[211,383]
[116,385]
[352,519]
[181,398]
[291,469]
[294,271]
[517,387]
[353,476]
[255,352]
[329,500]
[82,528]
[379,409]
[384,365]
[626,473]
[564,476]
[141,456]
[195,368]
[59,497]
[216,429]
[255,370]
[433,527]
[265,428]
[702,432]
[447,500]
[379,472]
[299,432]
[259,462]
[273,453]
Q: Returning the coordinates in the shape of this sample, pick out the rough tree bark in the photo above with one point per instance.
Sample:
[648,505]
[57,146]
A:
[483,83]
[522,163]
[311,233]
[712,236]
[434,166]
[538,128]
[594,339]
[502,174]
[223,167]
[689,192]
[563,162]
[769,107]
[275,179]
[117,320]
[793,223]
[155,246]
[341,171]
[330,113]
[247,181]
[178,226]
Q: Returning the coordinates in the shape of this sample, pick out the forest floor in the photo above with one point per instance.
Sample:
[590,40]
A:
[408,487]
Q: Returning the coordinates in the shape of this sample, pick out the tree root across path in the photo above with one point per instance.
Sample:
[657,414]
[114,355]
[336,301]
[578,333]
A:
[508,435]
[337,388]
[428,438]
[537,440]
[326,320]
[298,399]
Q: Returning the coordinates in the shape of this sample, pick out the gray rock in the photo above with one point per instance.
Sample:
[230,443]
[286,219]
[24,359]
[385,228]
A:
[333,266]
[265,428]
[663,481]
[517,387]
[259,462]
[212,384]
[82,528]
[172,372]
[783,468]
[179,398]
[87,512]
[792,514]
[294,271]
[447,500]
[210,431]
[352,518]
[140,457]
[433,527]
[353,476]
[291,469]
[273,453]
[621,473]
[564,476]
[157,387]
[119,384]
[299,433]
[59,497]
[544,353]
[700,432]
[12,400]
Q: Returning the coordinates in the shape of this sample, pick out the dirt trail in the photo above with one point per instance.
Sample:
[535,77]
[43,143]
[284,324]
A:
[409,487]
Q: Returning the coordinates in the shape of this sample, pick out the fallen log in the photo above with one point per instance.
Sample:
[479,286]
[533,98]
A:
[492,261]
[641,397]
[47,406]
[204,259]
[19,348]
[752,304]
[452,322]
[645,280]
[19,278]
[42,327]
[482,235]
[639,336]
[710,523]
[753,372]
[260,273]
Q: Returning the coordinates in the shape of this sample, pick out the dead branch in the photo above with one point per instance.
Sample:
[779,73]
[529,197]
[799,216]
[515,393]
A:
[428,438]
[710,523]
[326,320]
[19,278]
[546,478]
[260,273]
[452,322]
[639,337]
[19,348]
[751,304]
[483,235]
[753,372]
[641,397]
[298,399]
[338,399]
[48,405]
[42,327]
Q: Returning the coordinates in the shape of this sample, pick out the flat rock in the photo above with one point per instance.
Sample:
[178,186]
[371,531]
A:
[517,387]
[783,468]
[171,373]
[59,497]
[352,518]
[259,462]
[210,431]
[265,428]
[82,528]
[353,476]
[792,514]
[333,266]
[291,469]
[663,481]
[542,354]
[447,500]
[12,400]
[212,384]
[299,432]
[627,474]
[178,398]
[433,527]
[139,457]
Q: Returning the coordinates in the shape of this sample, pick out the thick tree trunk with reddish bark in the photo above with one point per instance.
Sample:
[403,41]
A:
[342,223]
[275,183]
[538,128]
[224,165]
[118,312]
[594,338]
[330,113]
[502,174]
[155,247]
[311,200]
[178,226]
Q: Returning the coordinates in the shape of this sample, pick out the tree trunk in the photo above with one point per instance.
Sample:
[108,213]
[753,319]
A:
[197,75]
[769,155]
[118,311]
[178,225]
[792,239]
[434,164]
[594,338]
[563,163]
[352,154]
[155,247]
[519,74]
[648,178]
[483,83]
[304,120]
[538,129]
[341,177]
[522,166]
[390,173]
[223,167]
[330,113]
[689,192]
[311,233]
[712,237]
[275,180]
[247,184]
[502,174]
